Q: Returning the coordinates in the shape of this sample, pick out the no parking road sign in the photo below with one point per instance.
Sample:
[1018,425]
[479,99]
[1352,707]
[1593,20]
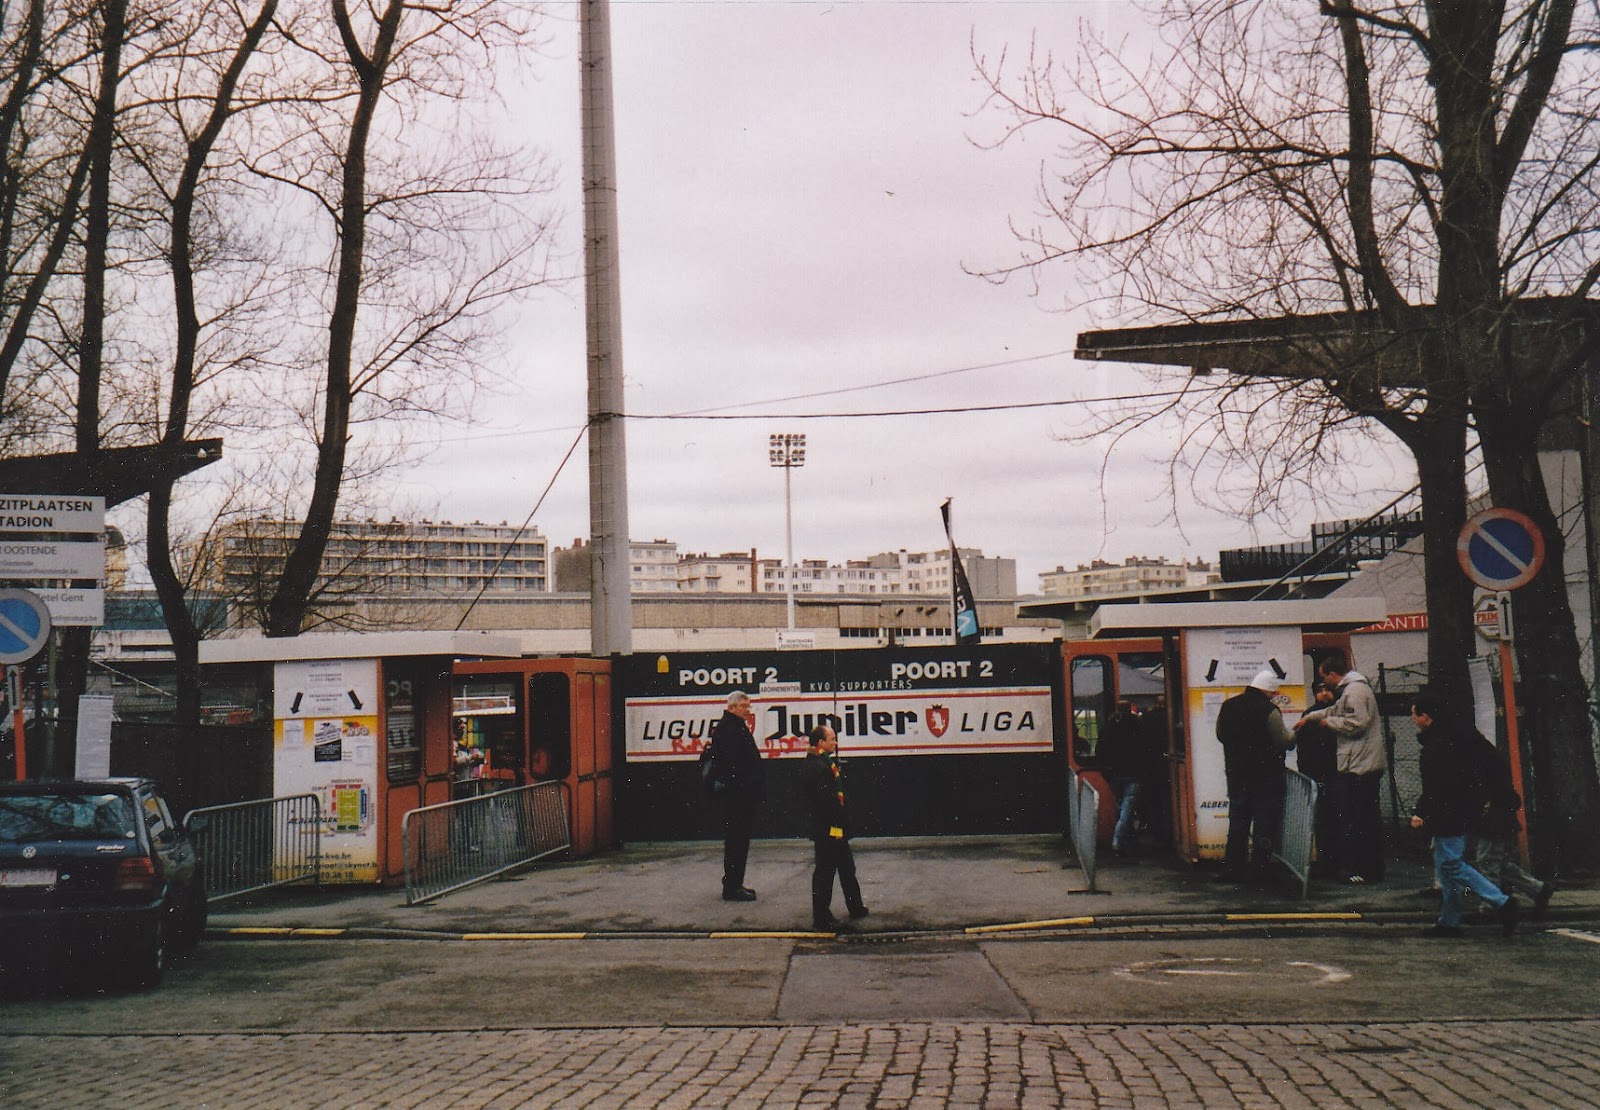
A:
[1500,549]
[24,625]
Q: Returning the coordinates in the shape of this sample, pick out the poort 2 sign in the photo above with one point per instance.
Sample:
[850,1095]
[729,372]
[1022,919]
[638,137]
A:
[959,701]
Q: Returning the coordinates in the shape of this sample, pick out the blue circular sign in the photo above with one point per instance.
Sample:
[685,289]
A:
[24,625]
[1500,549]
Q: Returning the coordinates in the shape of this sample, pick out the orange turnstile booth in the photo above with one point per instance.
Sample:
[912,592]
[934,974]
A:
[519,721]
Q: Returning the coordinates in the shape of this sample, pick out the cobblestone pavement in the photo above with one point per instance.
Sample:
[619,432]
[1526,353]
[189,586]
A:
[880,1066]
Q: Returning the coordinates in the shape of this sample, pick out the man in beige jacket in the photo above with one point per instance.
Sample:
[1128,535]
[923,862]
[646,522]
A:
[1359,763]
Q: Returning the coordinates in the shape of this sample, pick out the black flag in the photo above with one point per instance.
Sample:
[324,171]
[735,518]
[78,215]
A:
[961,600]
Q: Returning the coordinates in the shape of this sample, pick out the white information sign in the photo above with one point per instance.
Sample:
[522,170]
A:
[52,559]
[75,608]
[325,742]
[93,759]
[325,688]
[41,512]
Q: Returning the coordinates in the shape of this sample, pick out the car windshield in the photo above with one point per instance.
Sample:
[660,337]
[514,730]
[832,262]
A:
[66,816]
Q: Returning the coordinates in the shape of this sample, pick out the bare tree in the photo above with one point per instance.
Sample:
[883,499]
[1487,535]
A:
[1424,170]
[218,217]
[410,278]
[214,105]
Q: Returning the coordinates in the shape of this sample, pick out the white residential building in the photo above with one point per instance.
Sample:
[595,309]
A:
[732,572]
[1135,574]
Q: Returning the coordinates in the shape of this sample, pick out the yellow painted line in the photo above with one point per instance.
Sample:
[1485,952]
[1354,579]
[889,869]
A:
[1291,917]
[282,931]
[1018,926]
[523,936]
[768,935]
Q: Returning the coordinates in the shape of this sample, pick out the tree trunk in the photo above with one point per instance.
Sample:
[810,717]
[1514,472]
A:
[1441,479]
[1564,802]
[287,609]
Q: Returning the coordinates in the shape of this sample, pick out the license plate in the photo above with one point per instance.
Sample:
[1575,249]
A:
[28,876]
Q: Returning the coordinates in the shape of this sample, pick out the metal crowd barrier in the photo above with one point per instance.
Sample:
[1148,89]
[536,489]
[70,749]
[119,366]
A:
[456,844]
[1084,821]
[250,846]
[1299,821]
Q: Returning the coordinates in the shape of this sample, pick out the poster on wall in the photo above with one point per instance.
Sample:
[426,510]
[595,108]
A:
[325,742]
[1219,663]
[952,701]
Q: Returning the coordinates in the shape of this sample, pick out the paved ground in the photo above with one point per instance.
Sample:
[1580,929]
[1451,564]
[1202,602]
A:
[911,885]
[902,1066]
[982,889]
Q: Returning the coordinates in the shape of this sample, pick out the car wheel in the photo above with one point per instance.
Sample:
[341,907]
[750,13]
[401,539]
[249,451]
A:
[149,961]
[191,923]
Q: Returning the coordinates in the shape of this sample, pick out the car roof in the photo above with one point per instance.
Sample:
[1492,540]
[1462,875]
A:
[34,786]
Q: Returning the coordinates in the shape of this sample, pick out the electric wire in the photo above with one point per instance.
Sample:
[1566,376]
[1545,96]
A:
[487,578]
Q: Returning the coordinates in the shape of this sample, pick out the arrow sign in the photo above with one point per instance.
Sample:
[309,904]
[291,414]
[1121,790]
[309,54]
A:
[1500,549]
[24,625]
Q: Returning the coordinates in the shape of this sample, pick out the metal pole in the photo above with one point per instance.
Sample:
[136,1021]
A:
[950,534]
[788,530]
[14,695]
[610,596]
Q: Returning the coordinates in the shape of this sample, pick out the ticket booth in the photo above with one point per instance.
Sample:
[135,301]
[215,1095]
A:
[363,721]
[1168,669]
[539,720]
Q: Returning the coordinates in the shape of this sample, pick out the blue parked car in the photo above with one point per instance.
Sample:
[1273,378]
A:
[96,870]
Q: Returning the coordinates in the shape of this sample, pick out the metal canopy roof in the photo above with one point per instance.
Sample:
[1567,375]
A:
[360,645]
[1318,615]
[116,473]
[1348,346]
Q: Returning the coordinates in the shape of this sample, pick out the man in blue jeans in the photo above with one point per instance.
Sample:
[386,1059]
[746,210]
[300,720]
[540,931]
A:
[1124,761]
[1457,792]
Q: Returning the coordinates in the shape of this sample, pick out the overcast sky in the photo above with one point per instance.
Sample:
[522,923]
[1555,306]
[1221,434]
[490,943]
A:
[799,189]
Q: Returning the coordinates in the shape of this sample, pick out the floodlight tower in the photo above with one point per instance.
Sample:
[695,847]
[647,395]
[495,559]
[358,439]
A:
[788,451]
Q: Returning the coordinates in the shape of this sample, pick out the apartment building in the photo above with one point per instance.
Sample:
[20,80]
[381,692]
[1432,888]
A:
[653,566]
[1135,574]
[397,557]
[732,572]
[896,572]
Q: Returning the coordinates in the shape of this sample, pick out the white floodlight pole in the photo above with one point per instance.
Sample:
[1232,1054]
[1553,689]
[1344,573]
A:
[789,452]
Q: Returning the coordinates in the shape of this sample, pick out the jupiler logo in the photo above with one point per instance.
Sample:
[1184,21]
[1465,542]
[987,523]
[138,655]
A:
[938,718]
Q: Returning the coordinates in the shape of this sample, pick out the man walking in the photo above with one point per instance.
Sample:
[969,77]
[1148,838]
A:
[1254,740]
[738,783]
[829,820]
[1458,788]
[1359,765]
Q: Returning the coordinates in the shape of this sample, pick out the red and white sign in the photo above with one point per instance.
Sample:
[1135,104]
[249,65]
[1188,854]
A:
[1399,622]
[951,721]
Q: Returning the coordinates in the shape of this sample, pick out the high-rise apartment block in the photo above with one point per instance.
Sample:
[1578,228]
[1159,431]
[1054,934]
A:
[422,557]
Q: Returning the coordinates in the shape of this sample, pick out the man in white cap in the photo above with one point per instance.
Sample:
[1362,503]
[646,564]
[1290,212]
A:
[1254,740]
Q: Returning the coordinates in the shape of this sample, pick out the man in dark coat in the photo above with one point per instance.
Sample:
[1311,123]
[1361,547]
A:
[829,825]
[738,783]
[1315,746]
[1460,789]
[1254,740]
[1131,761]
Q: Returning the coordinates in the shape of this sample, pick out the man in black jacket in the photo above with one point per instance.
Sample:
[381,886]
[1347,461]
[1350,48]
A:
[738,783]
[1254,740]
[1459,788]
[829,821]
